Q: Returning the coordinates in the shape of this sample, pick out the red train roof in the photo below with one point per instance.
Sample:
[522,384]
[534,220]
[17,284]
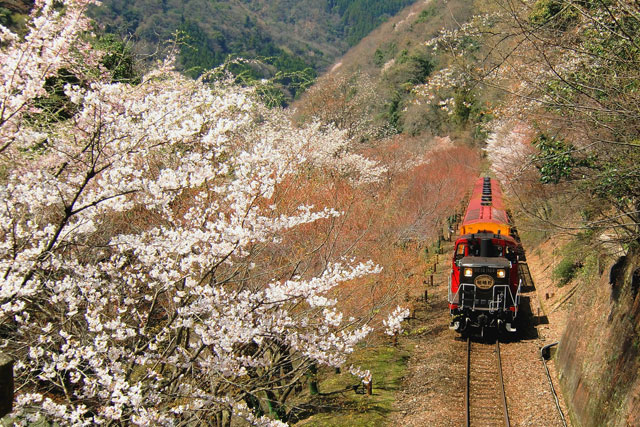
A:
[491,209]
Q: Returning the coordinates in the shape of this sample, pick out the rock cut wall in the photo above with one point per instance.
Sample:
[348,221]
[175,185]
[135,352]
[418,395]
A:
[599,354]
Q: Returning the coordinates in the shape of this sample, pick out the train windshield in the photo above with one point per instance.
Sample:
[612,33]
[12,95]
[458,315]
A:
[482,247]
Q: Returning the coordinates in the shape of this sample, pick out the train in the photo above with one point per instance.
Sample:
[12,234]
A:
[484,282]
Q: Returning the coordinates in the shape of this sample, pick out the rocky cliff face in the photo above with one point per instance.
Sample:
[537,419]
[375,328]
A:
[599,354]
[19,6]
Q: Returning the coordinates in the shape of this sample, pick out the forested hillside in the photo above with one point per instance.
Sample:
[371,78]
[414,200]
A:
[414,99]
[292,40]
[547,89]
[291,35]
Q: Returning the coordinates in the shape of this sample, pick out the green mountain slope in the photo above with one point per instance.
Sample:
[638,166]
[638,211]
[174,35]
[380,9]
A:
[300,33]
[395,63]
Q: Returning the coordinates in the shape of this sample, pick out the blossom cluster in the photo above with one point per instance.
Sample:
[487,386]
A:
[393,322]
[508,147]
[454,40]
[129,234]
[441,79]
[365,375]
[52,43]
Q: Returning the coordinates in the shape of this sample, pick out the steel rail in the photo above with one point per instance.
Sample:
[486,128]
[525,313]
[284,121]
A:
[467,385]
[502,392]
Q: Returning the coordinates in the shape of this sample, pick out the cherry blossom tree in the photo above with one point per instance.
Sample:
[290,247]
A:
[394,321]
[131,238]
[349,102]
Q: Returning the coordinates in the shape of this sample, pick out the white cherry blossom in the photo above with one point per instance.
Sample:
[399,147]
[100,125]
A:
[130,236]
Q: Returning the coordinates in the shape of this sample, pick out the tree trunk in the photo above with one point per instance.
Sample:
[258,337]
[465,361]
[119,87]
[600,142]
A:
[313,382]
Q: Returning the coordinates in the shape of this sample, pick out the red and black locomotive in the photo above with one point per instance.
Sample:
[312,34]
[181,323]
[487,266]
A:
[484,285]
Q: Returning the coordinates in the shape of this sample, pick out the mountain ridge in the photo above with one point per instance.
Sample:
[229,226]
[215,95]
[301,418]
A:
[316,32]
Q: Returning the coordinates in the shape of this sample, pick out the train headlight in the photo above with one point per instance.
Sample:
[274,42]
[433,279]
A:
[468,272]
[501,273]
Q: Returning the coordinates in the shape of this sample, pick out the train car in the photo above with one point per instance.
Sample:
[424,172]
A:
[484,284]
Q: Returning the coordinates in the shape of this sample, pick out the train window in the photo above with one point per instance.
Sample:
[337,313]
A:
[460,250]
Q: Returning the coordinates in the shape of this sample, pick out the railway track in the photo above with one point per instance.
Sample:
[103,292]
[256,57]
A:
[485,400]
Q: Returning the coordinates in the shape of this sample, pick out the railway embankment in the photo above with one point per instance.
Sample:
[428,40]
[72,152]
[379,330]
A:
[598,357]
[596,318]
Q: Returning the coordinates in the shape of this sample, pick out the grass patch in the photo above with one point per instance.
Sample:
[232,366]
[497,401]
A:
[579,259]
[338,404]
[427,14]
[565,271]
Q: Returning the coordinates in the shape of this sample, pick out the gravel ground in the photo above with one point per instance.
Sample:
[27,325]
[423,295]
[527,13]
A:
[432,393]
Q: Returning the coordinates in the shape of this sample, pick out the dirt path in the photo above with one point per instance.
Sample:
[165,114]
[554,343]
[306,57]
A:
[432,393]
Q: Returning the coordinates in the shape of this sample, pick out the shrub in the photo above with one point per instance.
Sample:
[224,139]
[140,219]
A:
[552,12]
[565,271]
